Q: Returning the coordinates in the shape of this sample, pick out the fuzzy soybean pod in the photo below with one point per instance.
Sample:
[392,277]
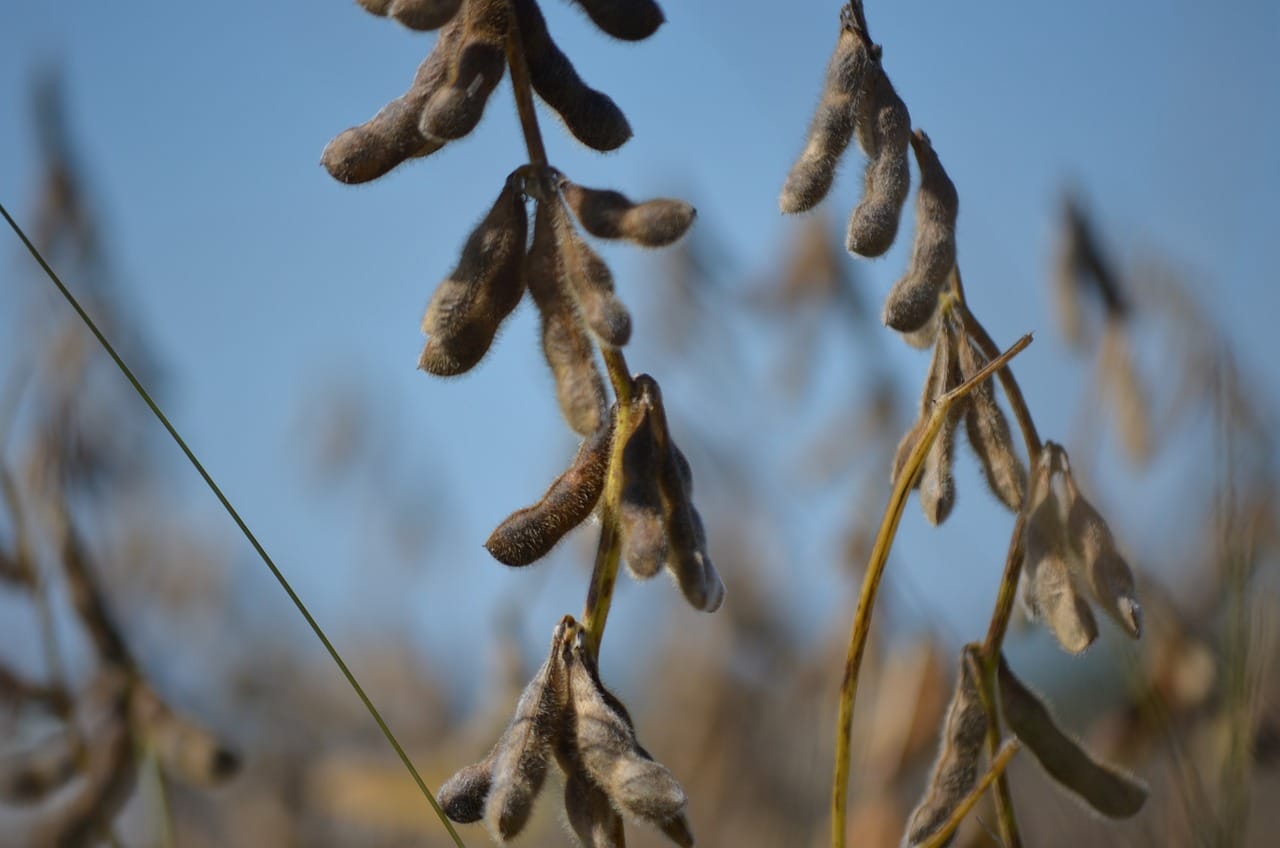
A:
[475,69]
[644,540]
[937,482]
[591,282]
[590,814]
[418,14]
[956,769]
[989,434]
[1107,574]
[566,344]
[592,117]
[463,796]
[883,128]
[469,305]
[914,298]
[609,754]
[529,534]
[629,20]
[832,125]
[1103,787]
[612,215]
[370,150]
[520,765]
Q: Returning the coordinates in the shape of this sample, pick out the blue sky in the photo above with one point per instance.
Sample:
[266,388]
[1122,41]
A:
[200,126]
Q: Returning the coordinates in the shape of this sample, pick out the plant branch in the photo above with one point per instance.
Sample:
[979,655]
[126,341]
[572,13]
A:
[523,90]
[871,581]
[995,772]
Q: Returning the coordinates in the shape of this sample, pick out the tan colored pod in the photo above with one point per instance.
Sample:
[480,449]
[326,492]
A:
[468,306]
[376,7]
[644,539]
[590,814]
[1107,574]
[566,344]
[529,534]
[463,796]
[629,20]
[955,771]
[591,282]
[914,298]
[883,129]
[370,150]
[611,215]
[418,14]
[937,482]
[1103,787]
[186,751]
[989,434]
[1050,590]
[832,125]
[592,117]
[476,68]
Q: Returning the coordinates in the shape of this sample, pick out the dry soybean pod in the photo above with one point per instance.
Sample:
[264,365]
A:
[956,768]
[1108,575]
[644,540]
[467,307]
[186,750]
[590,814]
[914,298]
[1050,590]
[565,342]
[463,796]
[591,281]
[419,14]
[883,128]
[592,117]
[1106,789]
[530,533]
[629,20]
[937,482]
[370,150]
[376,7]
[989,435]
[612,215]
[832,125]
[475,70]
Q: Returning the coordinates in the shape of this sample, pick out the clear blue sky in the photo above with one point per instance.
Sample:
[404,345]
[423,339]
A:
[200,126]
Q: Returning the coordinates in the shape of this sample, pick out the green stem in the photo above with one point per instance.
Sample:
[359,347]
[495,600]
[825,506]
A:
[239,522]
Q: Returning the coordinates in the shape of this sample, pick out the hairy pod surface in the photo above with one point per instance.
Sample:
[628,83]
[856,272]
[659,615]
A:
[937,482]
[463,796]
[529,534]
[914,298]
[370,150]
[644,540]
[612,215]
[1050,591]
[592,117]
[883,128]
[628,20]
[469,305]
[989,434]
[592,283]
[1103,787]
[566,344]
[956,769]
[590,814]
[1107,574]
[376,7]
[417,14]
[831,127]
[475,69]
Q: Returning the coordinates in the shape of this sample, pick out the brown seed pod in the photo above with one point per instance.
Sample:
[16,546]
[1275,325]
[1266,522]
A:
[629,20]
[905,446]
[590,813]
[520,764]
[1049,591]
[592,117]
[463,796]
[611,215]
[469,305]
[956,769]
[187,751]
[1105,788]
[832,125]
[529,534]
[1107,574]
[937,483]
[914,298]
[369,151]
[417,14]
[376,7]
[591,281]
[565,343]
[989,434]
[644,540]
[475,69]
[883,129]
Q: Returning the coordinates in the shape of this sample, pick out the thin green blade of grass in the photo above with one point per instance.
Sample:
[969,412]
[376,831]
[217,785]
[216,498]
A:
[235,517]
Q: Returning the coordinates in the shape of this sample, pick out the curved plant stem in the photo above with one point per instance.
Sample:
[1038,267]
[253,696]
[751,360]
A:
[523,90]
[996,771]
[871,582]
[239,522]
